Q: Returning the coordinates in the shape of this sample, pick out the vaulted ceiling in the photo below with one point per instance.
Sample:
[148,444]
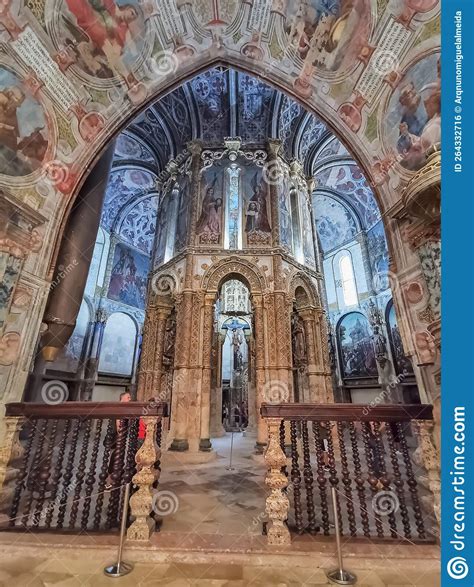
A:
[219,103]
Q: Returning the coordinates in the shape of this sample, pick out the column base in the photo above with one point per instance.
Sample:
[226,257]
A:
[205,445]
[187,457]
[179,445]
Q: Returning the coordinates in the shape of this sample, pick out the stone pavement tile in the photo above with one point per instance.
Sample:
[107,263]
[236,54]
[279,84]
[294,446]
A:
[207,571]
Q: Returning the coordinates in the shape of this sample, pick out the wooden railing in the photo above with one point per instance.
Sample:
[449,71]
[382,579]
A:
[365,453]
[70,462]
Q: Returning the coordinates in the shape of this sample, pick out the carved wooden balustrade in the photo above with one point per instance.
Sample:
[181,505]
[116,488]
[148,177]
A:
[364,452]
[70,462]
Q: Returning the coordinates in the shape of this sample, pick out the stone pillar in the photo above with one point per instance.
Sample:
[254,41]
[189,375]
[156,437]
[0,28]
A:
[75,253]
[91,366]
[217,429]
[274,176]
[260,377]
[208,321]
[362,239]
[151,362]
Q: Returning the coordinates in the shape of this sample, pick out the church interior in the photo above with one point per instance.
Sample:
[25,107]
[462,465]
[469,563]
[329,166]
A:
[220,292]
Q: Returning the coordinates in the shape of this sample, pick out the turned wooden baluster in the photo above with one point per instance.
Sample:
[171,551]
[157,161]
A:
[282,444]
[68,472]
[31,480]
[21,480]
[56,476]
[81,473]
[295,477]
[116,476]
[412,484]
[91,476]
[333,479]
[159,429]
[321,479]
[308,480]
[104,471]
[388,500]
[346,480]
[398,482]
[129,469]
[371,478]
[44,473]
[359,481]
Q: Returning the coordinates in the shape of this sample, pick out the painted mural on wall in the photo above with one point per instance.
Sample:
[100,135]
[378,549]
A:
[355,342]
[350,182]
[284,212]
[128,279]
[124,186]
[307,236]
[118,345]
[184,212]
[334,223]
[138,226]
[378,256]
[209,225]
[402,362]
[256,206]
[128,147]
[413,123]
[103,37]
[328,35]
[23,128]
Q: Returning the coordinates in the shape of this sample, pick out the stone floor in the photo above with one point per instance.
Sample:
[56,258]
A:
[211,534]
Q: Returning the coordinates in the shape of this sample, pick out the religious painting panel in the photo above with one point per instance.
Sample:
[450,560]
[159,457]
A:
[24,134]
[256,206]
[209,224]
[356,346]
[378,255]
[306,225]
[402,362]
[412,123]
[284,213]
[101,38]
[328,36]
[118,345]
[184,212]
[128,280]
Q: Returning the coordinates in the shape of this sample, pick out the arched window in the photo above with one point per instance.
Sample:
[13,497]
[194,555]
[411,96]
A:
[349,290]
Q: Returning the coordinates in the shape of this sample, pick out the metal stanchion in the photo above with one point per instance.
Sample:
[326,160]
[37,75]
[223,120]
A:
[121,568]
[230,467]
[339,575]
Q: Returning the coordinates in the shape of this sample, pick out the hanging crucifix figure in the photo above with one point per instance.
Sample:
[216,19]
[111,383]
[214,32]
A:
[237,340]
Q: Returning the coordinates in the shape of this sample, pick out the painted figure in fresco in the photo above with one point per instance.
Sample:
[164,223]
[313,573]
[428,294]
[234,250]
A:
[127,281]
[19,155]
[420,122]
[325,32]
[358,353]
[102,30]
[210,220]
[257,216]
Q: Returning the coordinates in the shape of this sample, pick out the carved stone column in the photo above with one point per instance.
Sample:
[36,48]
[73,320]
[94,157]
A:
[260,377]
[151,362]
[274,176]
[9,451]
[277,503]
[430,459]
[208,321]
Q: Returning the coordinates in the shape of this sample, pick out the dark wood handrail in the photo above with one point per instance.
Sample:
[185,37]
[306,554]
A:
[85,410]
[348,412]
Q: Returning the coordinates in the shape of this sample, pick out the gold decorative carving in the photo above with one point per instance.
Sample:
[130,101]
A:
[141,502]
[277,503]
